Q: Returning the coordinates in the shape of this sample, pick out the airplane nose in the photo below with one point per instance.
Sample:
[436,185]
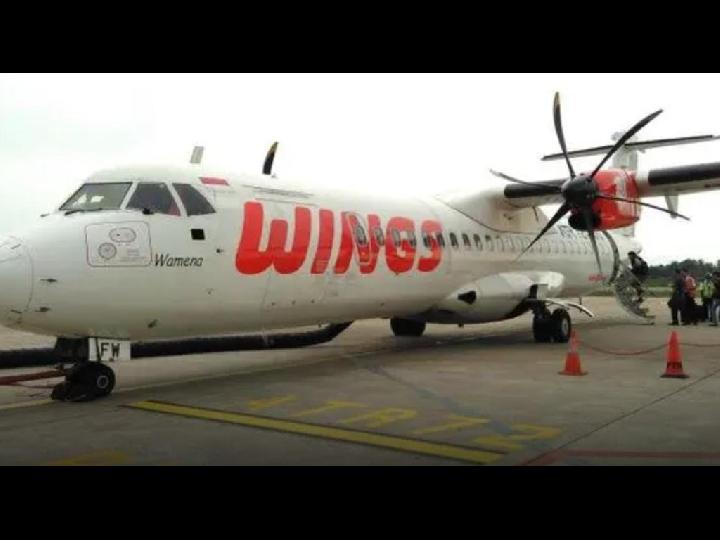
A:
[15,280]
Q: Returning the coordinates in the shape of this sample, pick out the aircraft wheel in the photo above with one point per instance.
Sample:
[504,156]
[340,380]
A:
[542,329]
[561,326]
[89,381]
[60,391]
[406,327]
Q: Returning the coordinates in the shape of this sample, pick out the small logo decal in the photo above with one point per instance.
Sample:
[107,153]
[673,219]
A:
[107,251]
[123,235]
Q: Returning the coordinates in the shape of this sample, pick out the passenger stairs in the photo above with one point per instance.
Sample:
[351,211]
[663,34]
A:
[625,288]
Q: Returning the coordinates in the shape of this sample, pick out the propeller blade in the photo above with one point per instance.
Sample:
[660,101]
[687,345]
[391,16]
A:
[564,209]
[516,181]
[641,203]
[269,159]
[559,132]
[588,215]
[633,130]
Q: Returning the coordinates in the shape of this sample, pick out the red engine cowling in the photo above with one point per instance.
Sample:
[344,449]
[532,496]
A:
[612,214]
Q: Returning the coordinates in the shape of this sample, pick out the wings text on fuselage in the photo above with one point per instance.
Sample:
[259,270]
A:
[398,239]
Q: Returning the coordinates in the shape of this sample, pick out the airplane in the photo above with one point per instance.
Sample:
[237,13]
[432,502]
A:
[153,253]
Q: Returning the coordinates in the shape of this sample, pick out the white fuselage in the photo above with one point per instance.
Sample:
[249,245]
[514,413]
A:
[127,275]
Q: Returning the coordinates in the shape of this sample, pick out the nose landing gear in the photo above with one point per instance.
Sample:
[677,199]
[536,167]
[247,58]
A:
[85,381]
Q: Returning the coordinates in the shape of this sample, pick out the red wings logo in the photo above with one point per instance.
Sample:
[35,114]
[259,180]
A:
[399,241]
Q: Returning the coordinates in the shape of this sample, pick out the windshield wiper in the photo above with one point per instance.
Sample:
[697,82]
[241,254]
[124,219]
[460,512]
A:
[77,210]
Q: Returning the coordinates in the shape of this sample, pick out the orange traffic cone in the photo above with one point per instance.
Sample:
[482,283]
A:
[572,361]
[674,367]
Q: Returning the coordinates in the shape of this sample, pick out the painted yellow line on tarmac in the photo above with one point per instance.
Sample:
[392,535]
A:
[25,404]
[92,459]
[461,453]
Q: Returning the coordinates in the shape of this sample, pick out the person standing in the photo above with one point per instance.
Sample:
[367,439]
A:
[677,300]
[705,290]
[715,299]
[690,292]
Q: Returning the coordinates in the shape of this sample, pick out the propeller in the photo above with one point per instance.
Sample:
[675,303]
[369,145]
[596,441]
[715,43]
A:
[269,159]
[642,203]
[580,191]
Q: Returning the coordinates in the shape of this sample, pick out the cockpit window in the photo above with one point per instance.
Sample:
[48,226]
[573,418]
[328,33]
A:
[195,203]
[154,197]
[105,196]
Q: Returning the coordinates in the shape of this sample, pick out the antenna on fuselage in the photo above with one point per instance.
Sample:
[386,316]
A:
[269,159]
[197,155]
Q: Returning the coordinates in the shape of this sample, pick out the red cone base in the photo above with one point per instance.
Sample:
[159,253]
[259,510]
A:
[674,371]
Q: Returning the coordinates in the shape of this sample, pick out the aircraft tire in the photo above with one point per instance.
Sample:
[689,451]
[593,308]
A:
[90,381]
[407,327]
[561,326]
[542,329]
[59,391]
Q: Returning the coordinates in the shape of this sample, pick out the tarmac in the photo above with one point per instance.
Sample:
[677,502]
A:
[483,395]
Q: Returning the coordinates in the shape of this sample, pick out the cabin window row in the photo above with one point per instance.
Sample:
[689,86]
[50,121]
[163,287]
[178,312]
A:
[505,243]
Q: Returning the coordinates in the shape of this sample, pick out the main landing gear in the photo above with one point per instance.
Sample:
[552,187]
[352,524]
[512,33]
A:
[551,327]
[85,381]
[407,327]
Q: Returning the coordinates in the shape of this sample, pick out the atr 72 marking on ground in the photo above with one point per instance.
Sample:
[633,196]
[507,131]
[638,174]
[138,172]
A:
[455,452]
[514,437]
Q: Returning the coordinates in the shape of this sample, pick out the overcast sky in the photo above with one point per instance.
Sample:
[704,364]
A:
[408,133]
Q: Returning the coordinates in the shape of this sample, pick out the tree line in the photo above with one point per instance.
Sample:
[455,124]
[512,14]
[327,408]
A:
[661,275]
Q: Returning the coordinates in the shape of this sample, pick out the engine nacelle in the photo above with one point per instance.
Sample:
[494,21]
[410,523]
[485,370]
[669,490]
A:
[612,214]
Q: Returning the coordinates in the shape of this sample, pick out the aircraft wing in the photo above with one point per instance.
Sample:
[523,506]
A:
[677,180]
[651,183]
[527,196]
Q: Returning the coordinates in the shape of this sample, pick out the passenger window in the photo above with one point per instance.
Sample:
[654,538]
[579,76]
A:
[441,240]
[489,243]
[379,236]
[466,241]
[478,242]
[360,236]
[395,237]
[154,197]
[194,202]
[500,245]
[411,238]
[454,240]
[426,240]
